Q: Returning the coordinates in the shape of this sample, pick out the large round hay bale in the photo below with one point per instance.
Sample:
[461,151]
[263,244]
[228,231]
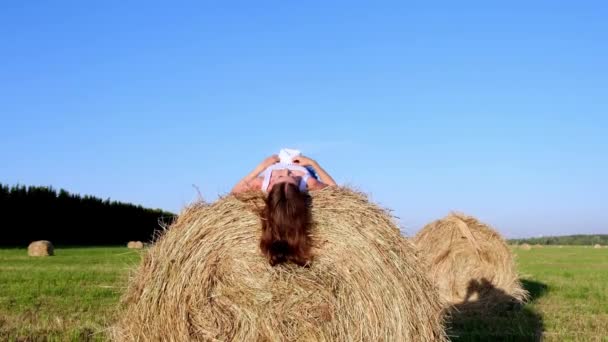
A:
[135,245]
[525,247]
[206,279]
[597,246]
[40,248]
[470,263]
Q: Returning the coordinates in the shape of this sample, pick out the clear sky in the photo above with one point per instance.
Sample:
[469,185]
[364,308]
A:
[496,110]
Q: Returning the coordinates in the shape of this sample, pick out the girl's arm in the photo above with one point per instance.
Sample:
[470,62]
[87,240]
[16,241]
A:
[326,179]
[251,181]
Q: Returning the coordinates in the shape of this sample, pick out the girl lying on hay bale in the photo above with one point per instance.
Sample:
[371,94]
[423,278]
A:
[286,214]
[210,276]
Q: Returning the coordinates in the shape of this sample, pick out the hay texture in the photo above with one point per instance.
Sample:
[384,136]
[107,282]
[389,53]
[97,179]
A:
[470,263]
[135,245]
[40,248]
[205,279]
[597,246]
[525,247]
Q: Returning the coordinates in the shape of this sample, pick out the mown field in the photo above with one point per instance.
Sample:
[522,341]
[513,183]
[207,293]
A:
[71,296]
[74,296]
[569,300]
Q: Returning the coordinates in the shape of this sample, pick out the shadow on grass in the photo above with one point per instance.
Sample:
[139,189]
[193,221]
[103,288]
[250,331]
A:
[534,288]
[505,319]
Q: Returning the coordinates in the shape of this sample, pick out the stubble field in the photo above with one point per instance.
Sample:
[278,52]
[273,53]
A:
[75,294]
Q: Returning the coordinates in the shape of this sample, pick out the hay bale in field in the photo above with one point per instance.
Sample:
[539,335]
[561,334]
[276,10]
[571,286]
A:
[135,245]
[40,248]
[538,245]
[206,279]
[470,263]
[597,246]
[525,247]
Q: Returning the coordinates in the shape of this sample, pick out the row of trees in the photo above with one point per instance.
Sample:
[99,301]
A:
[601,239]
[42,213]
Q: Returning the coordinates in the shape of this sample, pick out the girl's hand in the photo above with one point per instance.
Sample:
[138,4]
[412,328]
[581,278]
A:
[273,159]
[303,161]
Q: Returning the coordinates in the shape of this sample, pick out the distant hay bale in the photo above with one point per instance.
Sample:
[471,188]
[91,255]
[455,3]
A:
[205,279]
[525,247]
[40,248]
[597,246]
[135,245]
[538,245]
[470,263]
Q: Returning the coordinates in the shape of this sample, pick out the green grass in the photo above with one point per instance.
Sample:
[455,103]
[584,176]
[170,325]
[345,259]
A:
[74,295]
[70,296]
[569,300]
[574,306]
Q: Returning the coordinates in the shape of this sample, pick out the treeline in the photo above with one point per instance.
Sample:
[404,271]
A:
[42,213]
[601,239]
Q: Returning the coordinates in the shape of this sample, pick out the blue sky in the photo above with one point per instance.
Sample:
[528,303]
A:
[496,110]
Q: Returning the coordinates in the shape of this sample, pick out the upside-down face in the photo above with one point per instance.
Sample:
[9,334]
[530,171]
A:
[284,176]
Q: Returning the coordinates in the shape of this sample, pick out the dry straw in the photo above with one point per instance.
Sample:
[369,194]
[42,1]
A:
[40,248]
[206,280]
[470,263]
[525,247]
[597,246]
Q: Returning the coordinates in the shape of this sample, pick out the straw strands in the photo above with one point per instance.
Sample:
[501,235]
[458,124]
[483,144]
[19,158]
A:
[470,263]
[205,279]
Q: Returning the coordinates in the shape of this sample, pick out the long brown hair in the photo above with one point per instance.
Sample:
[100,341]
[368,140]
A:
[285,225]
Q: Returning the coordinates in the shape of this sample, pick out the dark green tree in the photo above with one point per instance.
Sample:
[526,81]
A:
[42,213]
